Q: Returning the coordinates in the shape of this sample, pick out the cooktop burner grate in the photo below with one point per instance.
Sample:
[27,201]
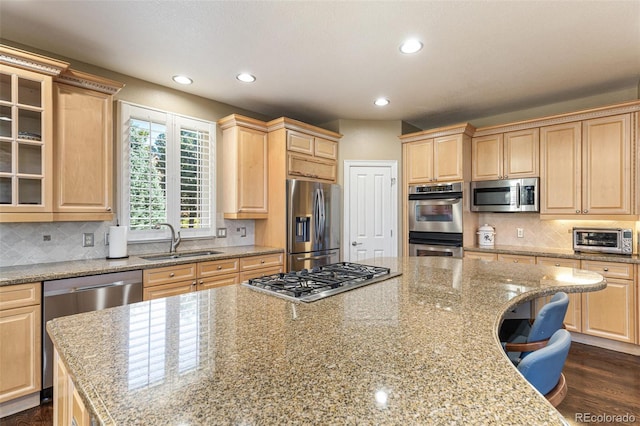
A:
[314,284]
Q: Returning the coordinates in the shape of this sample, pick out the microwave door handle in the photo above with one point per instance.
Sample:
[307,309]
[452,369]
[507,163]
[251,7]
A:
[517,195]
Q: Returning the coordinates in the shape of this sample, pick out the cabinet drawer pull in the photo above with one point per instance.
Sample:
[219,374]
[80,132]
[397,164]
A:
[172,274]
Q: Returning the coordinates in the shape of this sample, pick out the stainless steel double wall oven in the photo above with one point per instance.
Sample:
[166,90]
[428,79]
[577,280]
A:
[435,220]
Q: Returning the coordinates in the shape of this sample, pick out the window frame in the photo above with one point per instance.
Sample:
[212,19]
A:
[174,123]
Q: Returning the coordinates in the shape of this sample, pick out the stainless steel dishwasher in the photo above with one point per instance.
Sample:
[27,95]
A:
[84,294]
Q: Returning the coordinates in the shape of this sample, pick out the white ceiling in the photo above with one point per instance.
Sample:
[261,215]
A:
[319,61]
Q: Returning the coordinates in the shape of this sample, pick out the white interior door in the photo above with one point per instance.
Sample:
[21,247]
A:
[371,206]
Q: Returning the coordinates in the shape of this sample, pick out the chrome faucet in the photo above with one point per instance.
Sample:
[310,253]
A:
[174,241]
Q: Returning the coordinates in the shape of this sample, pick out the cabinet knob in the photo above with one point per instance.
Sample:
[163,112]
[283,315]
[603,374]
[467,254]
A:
[194,283]
[506,176]
[577,211]
[108,209]
[515,261]
[557,264]
[172,274]
[219,267]
[262,261]
[201,282]
[605,269]
[585,211]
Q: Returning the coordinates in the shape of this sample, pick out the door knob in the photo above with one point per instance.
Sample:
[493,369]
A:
[356,244]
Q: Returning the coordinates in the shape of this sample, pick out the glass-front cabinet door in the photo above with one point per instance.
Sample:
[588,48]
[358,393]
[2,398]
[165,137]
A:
[25,146]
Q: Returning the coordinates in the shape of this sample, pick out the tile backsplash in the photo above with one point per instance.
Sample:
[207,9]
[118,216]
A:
[28,243]
[542,233]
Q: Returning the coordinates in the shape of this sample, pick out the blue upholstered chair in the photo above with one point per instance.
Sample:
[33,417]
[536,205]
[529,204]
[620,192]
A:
[529,337]
[543,368]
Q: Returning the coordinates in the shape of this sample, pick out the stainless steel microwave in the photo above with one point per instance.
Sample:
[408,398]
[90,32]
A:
[603,240]
[505,195]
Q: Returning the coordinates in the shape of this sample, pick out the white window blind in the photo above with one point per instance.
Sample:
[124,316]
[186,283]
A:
[168,170]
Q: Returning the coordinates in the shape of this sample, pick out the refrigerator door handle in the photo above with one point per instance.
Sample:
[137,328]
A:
[323,218]
[316,216]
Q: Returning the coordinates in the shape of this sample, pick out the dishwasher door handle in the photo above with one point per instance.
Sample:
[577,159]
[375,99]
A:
[98,286]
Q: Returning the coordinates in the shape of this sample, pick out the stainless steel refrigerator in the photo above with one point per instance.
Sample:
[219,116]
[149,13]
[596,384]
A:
[313,224]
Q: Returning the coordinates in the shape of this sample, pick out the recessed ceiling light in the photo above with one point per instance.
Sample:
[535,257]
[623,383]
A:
[410,46]
[381,101]
[182,79]
[245,77]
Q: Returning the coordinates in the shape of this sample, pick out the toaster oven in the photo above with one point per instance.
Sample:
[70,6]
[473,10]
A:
[603,240]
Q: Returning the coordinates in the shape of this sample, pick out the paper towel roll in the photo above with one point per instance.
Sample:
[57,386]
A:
[117,242]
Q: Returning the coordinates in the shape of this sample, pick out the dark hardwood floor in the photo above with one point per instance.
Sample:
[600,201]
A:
[601,383]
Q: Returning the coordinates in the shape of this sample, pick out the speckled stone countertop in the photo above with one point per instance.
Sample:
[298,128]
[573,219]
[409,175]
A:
[551,252]
[421,348]
[11,275]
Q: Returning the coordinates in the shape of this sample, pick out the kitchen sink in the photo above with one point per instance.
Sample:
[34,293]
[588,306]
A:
[167,256]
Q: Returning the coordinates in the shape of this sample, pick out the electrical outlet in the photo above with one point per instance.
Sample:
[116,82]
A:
[87,239]
[46,238]
[221,233]
[520,233]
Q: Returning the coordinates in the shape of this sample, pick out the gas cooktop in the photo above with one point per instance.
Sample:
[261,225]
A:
[309,285]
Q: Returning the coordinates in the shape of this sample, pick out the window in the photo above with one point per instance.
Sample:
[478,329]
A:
[167,173]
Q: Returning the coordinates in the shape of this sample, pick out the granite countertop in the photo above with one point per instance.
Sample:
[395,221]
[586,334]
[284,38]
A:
[11,275]
[421,348]
[552,252]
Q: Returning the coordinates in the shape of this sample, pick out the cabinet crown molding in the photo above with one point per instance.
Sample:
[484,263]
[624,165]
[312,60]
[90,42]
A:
[89,81]
[464,128]
[291,124]
[568,117]
[241,120]
[31,61]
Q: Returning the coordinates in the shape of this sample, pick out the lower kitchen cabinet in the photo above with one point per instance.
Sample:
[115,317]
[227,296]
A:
[68,407]
[20,341]
[259,266]
[168,281]
[611,313]
[179,279]
[573,318]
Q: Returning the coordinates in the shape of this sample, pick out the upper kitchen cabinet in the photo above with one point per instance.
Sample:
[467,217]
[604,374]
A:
[244,167]
[510,155]
[26,130]
[312,153]
[83,147]
[437,155]
[586,167]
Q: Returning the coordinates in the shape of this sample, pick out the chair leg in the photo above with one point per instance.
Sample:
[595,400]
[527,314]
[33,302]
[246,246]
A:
[557,394]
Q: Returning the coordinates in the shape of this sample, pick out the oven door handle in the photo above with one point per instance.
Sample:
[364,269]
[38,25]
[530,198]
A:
[438,201]
[435,243]
[456,196]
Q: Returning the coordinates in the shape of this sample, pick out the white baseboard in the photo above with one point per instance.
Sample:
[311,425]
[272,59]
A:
[613,345]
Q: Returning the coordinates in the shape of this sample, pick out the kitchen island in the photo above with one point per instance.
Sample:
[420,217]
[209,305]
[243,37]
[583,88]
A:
[421,348]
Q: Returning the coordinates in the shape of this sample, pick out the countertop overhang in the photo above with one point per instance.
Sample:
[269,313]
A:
[421,348]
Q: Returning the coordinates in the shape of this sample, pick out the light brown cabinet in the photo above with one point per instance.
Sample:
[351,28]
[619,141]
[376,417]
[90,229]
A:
[259,266]
[434,159]
[511,155]
[244,168]
[311,157]
[168,281]
[83,149]
[20,340]
[586,167]
[573,318]
[26,145]
[179,279]
[68,407]
[611,313]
